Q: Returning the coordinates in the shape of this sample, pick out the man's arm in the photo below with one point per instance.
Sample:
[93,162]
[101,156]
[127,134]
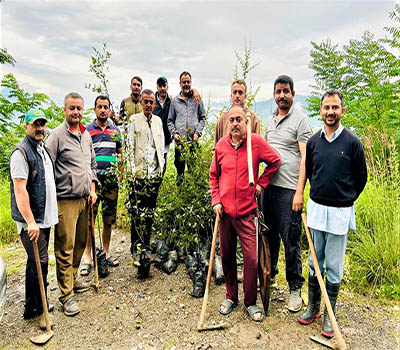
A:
[22,199]
[201,114]
[196,95]
[215,172]
[93,165]
[171,122]
[255,123]
[298,199]
[219,129]
[52,145]
[270,158]
[359,168]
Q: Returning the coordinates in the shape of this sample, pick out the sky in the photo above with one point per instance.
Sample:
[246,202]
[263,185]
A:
[52,41]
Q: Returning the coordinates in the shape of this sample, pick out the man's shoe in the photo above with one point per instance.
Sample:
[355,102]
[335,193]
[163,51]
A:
[81,286]
[42,322]
[295,301]
[70,307]
[333,290]
[314,301]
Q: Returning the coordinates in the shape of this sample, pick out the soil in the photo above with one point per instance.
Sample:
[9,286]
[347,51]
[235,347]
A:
[159,313]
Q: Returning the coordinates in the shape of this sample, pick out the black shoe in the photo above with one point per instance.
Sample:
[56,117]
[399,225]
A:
[333,291]
[314,301]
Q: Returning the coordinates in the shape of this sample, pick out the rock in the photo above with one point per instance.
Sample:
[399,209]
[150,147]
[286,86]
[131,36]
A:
[396,308]
[119,250]
[258,336]
[11,249]
[182,306]
[123,239]
[53,288]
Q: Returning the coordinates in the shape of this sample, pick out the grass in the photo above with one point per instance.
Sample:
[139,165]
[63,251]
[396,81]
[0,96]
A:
[8,229]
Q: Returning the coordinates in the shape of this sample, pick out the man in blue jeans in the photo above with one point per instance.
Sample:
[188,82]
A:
[287,131]
[336,168]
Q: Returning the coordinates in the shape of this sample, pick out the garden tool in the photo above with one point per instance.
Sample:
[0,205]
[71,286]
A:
[102,266]
[201,326]
[43,338]
[341,345]
[91,231]
[249,153]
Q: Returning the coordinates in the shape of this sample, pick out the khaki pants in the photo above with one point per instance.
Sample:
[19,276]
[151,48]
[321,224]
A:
[69,242]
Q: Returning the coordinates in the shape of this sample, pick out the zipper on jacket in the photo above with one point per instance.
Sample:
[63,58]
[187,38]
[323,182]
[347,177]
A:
[236,174]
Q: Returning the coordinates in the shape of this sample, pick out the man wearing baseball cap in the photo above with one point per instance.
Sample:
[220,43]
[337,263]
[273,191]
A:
[33,205]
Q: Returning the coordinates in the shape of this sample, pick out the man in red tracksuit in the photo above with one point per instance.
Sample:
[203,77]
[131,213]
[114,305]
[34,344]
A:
[234,203]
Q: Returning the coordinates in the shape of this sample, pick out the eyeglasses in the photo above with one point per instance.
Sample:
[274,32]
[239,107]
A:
[148,102]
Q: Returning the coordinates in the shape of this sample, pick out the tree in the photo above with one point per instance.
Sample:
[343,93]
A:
[368,74]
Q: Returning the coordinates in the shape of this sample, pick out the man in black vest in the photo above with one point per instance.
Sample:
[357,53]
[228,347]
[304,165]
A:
[33,205]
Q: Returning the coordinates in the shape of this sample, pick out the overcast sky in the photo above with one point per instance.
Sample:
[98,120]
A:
[52,41]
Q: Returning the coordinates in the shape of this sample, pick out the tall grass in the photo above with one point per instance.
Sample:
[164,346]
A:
[375,246]
[8,229]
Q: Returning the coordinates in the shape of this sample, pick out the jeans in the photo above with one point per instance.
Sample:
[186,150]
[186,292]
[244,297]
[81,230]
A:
[285,224]
[331,249]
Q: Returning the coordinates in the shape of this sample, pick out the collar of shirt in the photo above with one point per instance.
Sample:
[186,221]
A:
[236,145]
[335,135]
[275,114]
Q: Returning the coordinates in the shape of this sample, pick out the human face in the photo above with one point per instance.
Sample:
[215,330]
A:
[332,111]
[162,91]
[283,96]
[36,130]
[102,110]
[148,103]
[73,111]
[237,123]
[186,84]
[136,88]
[238,94]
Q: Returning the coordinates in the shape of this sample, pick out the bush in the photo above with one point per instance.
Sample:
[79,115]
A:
[8,229]
[375,246]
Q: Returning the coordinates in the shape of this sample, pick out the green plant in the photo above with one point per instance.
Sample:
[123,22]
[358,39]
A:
[8,229]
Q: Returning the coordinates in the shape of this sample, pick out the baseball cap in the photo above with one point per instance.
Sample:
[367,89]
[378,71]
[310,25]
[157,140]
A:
[34,114]
[162,80]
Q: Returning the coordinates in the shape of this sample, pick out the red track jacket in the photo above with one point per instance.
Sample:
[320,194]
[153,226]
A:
[229,175]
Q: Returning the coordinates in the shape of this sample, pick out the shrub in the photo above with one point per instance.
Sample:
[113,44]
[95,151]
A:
[8,229]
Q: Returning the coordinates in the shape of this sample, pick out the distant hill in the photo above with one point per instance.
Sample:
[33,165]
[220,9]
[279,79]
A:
[264,109]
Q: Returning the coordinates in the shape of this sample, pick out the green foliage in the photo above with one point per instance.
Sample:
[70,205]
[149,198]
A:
[8,229]
[100,68]
[375,246]
[5,57]
[367,73]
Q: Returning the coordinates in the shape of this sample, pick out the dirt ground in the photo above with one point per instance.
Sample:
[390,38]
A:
[158,313]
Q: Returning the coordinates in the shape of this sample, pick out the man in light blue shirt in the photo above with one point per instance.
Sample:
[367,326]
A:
[336,168]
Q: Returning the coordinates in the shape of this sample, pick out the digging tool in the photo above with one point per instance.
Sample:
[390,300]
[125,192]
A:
[43,338]
[264,261]
[201,327]
[249,153]
[94,255]
[341,345]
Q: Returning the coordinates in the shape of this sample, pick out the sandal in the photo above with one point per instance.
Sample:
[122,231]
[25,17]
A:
[85,270]
[252,310]
[229,305]
[113,262]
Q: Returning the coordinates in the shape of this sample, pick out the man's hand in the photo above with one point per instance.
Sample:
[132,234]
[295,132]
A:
[196,96]
[33,231]
[177,138]
[218,209]
[258,190]
[298,201]
[195,137]
[92,198]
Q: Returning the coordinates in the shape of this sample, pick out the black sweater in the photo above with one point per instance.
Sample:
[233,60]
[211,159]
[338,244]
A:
[337,170]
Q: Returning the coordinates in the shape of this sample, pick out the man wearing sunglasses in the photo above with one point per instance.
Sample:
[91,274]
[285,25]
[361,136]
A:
[145,144]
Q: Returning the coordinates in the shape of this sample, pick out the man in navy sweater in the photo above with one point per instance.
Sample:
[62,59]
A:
[336,169]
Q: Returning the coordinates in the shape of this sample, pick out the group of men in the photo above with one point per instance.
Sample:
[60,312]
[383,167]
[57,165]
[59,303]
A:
[76,169]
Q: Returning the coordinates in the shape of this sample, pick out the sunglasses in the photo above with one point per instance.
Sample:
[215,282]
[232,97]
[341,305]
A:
[148,102]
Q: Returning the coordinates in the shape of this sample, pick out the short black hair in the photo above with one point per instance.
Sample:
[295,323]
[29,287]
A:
[102,97]
[284,79]
[333,92]
[184,73]
[138,79]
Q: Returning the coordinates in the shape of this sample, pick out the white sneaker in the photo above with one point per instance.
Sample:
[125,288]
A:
[295,302]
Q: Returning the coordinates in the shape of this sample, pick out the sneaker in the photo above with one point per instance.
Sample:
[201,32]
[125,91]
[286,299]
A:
[42,322]
[70,307]
[81,286]
[295,302]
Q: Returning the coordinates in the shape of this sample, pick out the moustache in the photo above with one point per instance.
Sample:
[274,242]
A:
[40,132]
[282,100]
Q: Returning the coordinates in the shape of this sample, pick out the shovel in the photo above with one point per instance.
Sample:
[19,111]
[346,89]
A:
[94,255]
[43,338]
[201,327]
[340,345]
[249,152]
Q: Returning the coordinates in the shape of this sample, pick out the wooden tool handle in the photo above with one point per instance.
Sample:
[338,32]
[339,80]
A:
[338,334]
[249,152]
[41,284]
[210,266]
[91,229]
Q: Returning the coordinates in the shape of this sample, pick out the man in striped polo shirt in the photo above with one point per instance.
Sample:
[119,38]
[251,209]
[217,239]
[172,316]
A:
[106,139]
